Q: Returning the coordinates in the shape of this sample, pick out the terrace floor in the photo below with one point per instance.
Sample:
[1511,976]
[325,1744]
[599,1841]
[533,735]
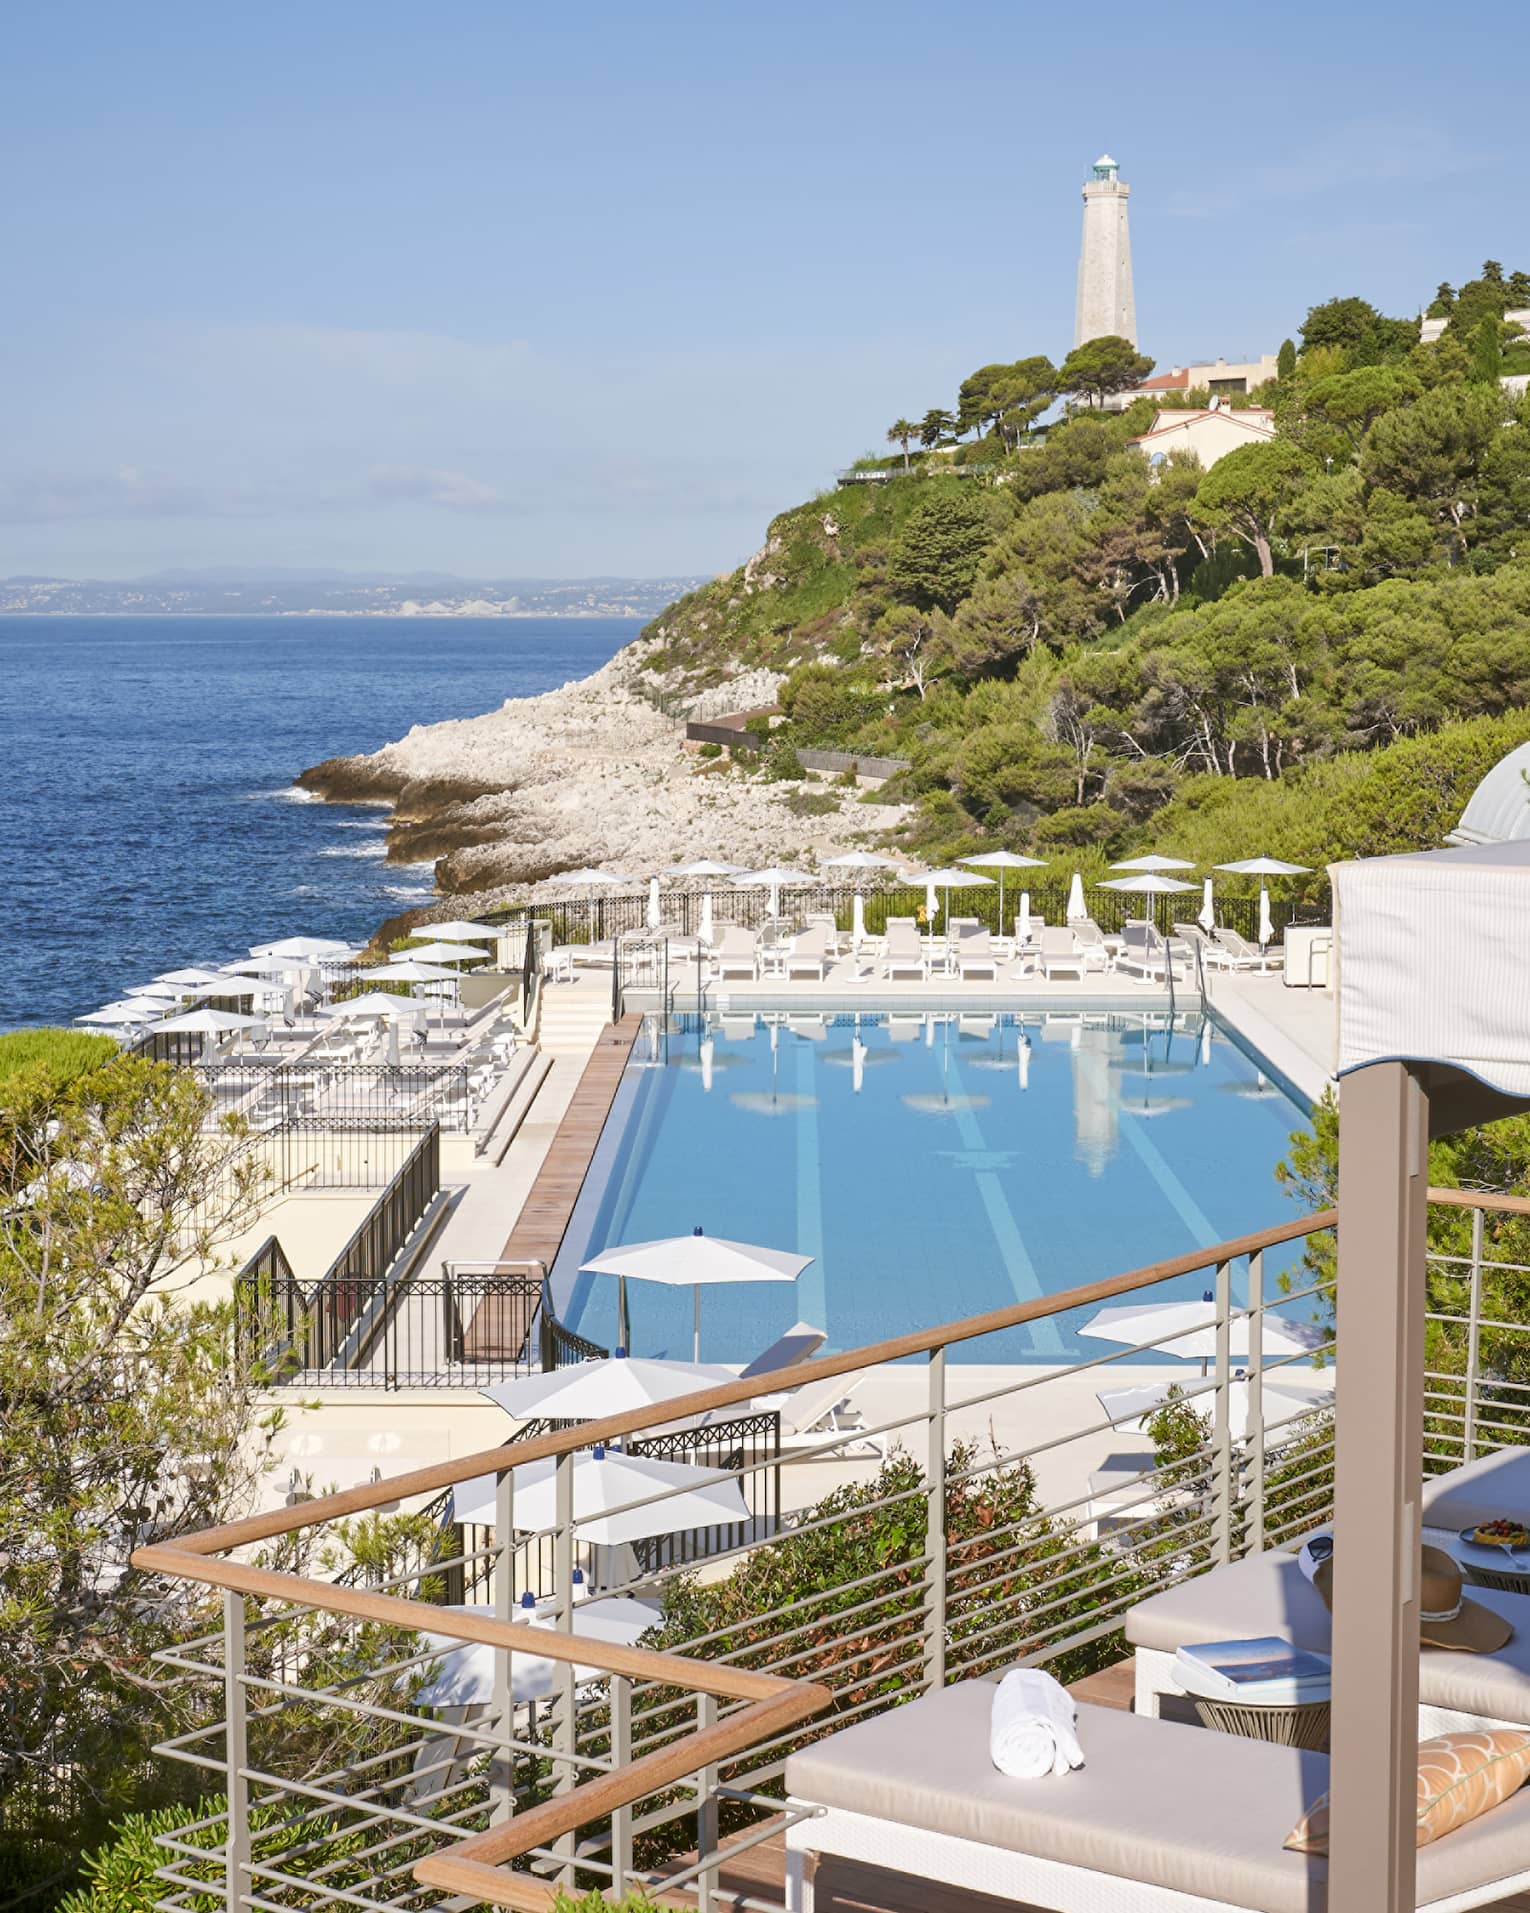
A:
[847,1886]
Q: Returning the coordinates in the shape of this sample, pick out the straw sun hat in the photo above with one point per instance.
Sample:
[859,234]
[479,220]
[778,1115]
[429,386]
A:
[1446,1617]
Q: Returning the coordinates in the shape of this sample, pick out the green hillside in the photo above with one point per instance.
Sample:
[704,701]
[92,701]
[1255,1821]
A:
[1080,651]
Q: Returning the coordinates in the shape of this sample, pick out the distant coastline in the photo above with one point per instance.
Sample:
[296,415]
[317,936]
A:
[334,595]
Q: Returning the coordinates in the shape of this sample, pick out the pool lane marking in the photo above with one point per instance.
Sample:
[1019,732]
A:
[1045,1336]
[1174,1191]
[812,1295]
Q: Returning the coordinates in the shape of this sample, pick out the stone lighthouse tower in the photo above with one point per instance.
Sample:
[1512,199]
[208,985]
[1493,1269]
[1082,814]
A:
[1105,303]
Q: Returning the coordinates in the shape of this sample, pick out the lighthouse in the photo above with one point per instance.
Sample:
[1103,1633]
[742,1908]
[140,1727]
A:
[1105,302]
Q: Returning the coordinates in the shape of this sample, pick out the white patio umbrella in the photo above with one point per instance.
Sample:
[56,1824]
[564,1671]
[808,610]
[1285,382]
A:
[1187,1330]
[950,878]
[1133,1408]
[655,904]
[609,1386]
[266,965]
[1265,867]
[443,953]
[465,1676]
[208,1022]
[704,867]
[1148,884]
[1078,907]
[588,878]
[693,1261]
[306,949]
[375,1004]
[604,1482]
[1023,919]
[406,969]
[157,992]
[122,1015]
[777,876]
[1207,918]
[192,978]
[1002,860]
[459,930]
[1154,863]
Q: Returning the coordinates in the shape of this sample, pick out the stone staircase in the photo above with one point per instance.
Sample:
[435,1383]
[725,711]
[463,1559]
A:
[573,1015]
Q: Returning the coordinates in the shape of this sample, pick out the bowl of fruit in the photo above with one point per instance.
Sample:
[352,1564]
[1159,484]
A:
[1501,1533]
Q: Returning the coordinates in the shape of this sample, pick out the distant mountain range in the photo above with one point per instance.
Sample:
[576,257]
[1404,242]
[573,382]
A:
[294,593]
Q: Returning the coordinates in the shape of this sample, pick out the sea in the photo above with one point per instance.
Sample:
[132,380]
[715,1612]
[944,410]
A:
[148,816]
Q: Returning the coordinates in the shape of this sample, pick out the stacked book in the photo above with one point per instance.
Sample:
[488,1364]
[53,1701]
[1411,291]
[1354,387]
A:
[1268,1672]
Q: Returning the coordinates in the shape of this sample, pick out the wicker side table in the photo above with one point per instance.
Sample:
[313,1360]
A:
[1306,1725]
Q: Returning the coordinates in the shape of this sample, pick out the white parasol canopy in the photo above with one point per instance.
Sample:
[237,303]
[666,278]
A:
[587,877]
[267,965]
[120,1015]
[1150,884]
[305,949]
[465,1677]
[376,1003]
[1133,1408]
[704,867]
[694,1261]
[1002,860]
[1188,1330]
[610,1386]
[1153,862]
[208,1022]
[443,953]
[192,978]
[459,930]
[1265,867]
[406,969]
[778,877]
[604,1483]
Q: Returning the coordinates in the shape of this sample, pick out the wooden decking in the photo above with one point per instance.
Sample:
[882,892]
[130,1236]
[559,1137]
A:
[499,1326]
[846,1886]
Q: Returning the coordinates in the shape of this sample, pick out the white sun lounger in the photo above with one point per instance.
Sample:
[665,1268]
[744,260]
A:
[903,953]
[814,1416]
[1267,1594]
[974,956]
[801,1341]
[809,954]
[1162,1818]
[1494,1484]
[1059,955]
[734,954]
[1243,955]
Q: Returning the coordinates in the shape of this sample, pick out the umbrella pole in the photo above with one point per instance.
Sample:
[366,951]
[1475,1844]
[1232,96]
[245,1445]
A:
[696,1323]
[623,1323]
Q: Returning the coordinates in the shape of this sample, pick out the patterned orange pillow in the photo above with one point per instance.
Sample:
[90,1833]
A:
[1459,1777]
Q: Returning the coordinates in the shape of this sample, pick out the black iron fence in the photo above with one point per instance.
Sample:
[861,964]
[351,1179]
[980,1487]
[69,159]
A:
[596,919]
[328,1325]
[747,1445]
[317,1094]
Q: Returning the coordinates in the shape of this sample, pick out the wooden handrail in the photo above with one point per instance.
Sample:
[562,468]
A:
[474,1867]
[633,1421]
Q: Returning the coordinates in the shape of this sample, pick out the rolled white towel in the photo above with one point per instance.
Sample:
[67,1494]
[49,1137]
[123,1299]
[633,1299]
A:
[1030,1731]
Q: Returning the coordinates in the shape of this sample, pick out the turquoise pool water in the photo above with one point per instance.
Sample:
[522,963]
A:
[933,1166]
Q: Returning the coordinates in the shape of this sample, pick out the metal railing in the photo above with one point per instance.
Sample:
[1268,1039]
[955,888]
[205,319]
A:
[596,919]
[942,1561]
[317,1094]
[323,1330]
[965,1528]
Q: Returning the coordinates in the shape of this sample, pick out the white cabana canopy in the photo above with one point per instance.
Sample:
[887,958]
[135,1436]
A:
[444,953]
[609,1386]
[1433,1036]
[459,930]
[208,1022]
[376,1003]
[306,949]
[1432,969]
[605,1483]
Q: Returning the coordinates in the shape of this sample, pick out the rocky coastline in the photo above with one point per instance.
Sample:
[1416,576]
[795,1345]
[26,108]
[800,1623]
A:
[589,773]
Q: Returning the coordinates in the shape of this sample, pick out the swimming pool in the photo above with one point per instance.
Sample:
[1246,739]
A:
[932,1165]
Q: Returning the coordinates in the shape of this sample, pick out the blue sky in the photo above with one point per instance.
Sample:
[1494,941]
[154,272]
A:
[504,290]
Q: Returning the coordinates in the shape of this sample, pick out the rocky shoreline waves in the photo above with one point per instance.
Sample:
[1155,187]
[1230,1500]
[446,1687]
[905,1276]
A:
[590,773]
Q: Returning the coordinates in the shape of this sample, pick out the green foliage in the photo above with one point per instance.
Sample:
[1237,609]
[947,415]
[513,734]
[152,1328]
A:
[1356,329]
[935,559]
[826,705]
[60,1055]
[782,764]
[1249,492]
[709,750]
[1487,351]
[1097,368]
[1285,362]
[130,1413]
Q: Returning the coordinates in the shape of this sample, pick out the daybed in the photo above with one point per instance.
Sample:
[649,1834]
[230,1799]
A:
[1268,1594]
[1162,1818]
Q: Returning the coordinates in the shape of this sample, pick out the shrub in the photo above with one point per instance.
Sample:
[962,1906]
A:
[811,803]
[783,765]
[709,750]
[63,1054]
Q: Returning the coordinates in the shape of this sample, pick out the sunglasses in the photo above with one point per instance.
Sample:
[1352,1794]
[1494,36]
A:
[1319,1548]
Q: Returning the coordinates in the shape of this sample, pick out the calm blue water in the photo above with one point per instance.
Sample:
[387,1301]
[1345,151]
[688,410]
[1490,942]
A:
[146,815]
[934,1167]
